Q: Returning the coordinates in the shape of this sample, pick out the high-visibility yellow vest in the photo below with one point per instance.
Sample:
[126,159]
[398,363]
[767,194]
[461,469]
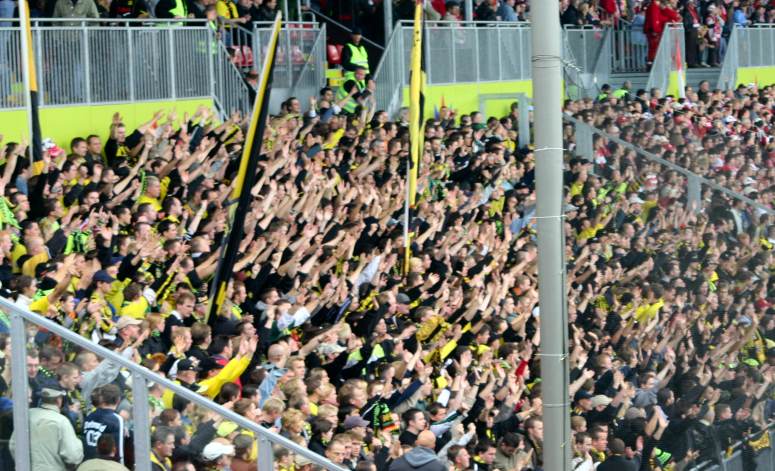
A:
[350,105]
[180,10]
[359,57]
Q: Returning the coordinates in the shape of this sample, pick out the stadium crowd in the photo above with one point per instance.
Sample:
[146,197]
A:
[323,340]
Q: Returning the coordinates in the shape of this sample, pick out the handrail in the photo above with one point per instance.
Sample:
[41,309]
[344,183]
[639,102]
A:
[736,446]
[677,168]
[468,24]
[602,66]
[390,75]
[110,20]
[659,77]
[345,28]
[18,343]
[311,59]
[727,78]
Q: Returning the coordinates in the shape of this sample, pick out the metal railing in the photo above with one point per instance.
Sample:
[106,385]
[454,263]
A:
[630,48]
[313,74]
[696,185]
[665,59]
[455,52]
[294,47]
[392,73]
[727,78]
[230,91]
[764,459]
[756,46]
[141,379]
[588,53]
[98,62]
[474,52]
[752,46]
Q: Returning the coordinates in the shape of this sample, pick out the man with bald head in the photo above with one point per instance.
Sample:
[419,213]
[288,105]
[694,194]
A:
[421,457]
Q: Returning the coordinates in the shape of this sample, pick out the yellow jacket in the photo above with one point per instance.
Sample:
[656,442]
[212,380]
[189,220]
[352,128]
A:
[210,387]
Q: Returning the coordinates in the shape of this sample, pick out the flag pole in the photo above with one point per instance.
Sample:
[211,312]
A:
[415,139]
[29,78]
[245,179]
[415,84]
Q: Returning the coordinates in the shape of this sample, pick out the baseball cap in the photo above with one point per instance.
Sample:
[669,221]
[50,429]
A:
[354,421]
[187,365]
[582,394]
[209,364]
[126,321]
[103,276]
[50,393]
[216,449]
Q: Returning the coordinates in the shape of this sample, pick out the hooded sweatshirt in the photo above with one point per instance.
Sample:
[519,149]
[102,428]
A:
[418,459]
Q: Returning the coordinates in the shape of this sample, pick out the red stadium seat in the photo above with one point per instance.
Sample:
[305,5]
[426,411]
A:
[334,53]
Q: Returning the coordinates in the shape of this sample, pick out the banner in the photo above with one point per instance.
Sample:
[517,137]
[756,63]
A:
[36,141]
[416,106]
[246,177]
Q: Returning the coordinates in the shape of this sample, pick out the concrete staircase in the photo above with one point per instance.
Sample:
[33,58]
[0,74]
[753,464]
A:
[695,76]
[638,79]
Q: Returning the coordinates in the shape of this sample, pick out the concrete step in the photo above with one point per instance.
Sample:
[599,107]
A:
[695,76]
[638,80]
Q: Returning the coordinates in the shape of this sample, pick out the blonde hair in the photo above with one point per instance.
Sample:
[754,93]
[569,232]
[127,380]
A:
[293,417]
[327,410]
[273,406]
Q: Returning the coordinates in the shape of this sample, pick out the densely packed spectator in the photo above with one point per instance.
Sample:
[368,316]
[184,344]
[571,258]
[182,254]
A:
[323,340]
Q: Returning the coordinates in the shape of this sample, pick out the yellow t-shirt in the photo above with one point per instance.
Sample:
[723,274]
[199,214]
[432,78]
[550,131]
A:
[28,268]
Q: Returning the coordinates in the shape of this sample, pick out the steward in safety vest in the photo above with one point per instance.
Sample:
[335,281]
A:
[171,9]
[348,93]
[354,55]
[623,93]
[605,92]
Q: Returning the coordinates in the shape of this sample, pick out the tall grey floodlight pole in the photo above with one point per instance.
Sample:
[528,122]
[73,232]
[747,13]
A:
[387,9]
[547,110]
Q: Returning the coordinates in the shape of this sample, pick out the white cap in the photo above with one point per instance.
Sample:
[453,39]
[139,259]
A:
[215,450]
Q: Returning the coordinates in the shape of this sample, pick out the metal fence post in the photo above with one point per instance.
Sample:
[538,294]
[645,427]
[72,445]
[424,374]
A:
[39,67]
[131,51]
[265,454]
[584,141]
[172,62]
[524,120]
[478,63]
[141,422]
[86,62]
[694,194]
[210,64]
[20,389]
[289,61]
[387,6]
[498,46]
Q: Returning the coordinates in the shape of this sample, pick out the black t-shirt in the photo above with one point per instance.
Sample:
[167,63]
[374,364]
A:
[407,438]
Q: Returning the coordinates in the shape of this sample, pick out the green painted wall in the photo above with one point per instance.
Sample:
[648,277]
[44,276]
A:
[760,75]
[465,97]
[63,123]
